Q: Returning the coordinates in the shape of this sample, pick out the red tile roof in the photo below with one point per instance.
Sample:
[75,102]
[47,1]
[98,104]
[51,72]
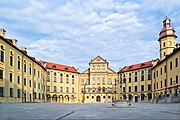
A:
[137,66]
[55,66]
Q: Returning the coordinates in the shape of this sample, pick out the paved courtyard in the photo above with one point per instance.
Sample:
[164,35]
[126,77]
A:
[88,111]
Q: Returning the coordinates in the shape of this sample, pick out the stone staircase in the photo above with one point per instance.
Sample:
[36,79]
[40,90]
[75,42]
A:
[169,99]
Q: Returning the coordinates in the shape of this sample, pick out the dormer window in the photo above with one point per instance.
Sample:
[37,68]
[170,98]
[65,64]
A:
[130,66]
[142,64]
[66,68]
[54,67]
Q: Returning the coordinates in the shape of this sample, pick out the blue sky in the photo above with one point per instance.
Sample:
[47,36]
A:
[72,32]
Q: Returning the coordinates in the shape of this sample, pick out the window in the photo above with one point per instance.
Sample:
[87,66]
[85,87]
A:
[67,89]
[135,89]
[34,95]
[1,74]
[25,67]
[61,75]
[61,89]
[157,73]
[157,85]
[130,79]
[38,86]
[48,73]
[61,80]
[10,77]
[164,44]
[39,95]
[11,59]
[1,92]
[135,79]
[164,53]
[18,79]
[142,87]
[48,79]
[72,90]
[24,81]
[34,72]
[87,97]
[170,43]
[176,62]
[161,71]
[30,70]
[18,93]
[149,74]
[149,87]
[171,65]
[54,88]
[67,80]
[165,83]
[38,73]
[161,84]
[176,79]
[98,81]
[129,89]
[154,75]
[19,64]
[34,84]
[2,54]
[72,76]
[54,73]
[48,88]
[170,81]
[82,82]
[124,89]
[54,79]
[98,67]
[29,83]
[164,68]
[72,81]
[11,92]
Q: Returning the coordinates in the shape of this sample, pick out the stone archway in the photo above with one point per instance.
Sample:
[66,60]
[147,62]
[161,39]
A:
[149,96]
[54,98]
[142,97]
[48,98]
[130,97]
[66,98]
[98,98]
[61,99]
[136,98]
[72,99]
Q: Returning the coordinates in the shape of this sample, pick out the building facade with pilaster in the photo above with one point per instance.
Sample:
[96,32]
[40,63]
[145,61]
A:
[22,78]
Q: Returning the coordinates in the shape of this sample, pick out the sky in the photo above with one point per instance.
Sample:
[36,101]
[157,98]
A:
[72,32]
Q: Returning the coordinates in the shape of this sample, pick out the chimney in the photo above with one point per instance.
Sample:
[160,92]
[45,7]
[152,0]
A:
[24,49]
[14,42]
[2,33]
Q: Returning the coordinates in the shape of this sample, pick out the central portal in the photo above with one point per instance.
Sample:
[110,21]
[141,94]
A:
[98,99]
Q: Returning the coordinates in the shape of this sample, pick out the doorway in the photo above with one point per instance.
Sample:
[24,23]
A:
[98,99]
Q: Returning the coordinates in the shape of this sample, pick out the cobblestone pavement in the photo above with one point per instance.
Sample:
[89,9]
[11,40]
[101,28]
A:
[88,111]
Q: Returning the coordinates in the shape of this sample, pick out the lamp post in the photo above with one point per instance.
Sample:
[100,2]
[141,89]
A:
[84,92]
[115,90]
[124,80]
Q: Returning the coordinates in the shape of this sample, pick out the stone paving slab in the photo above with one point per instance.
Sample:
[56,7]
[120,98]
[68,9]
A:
[88,111]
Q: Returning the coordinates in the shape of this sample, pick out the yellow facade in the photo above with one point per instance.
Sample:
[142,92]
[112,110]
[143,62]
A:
[98,83]
[166,77]
[22,78]
[136,84]
[166,71]
[62,86]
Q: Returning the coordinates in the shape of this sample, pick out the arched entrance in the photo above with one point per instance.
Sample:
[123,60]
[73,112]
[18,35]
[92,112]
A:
[72,98]
[142,97]
[136,98]
[54,98]
[66,98]
[98,99]
[61,99]
[130,97]
[149,96]
[48,97]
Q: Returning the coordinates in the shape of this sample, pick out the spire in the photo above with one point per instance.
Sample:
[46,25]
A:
[167,30]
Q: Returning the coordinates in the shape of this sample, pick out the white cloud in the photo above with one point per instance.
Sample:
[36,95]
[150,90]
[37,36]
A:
[75,31]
